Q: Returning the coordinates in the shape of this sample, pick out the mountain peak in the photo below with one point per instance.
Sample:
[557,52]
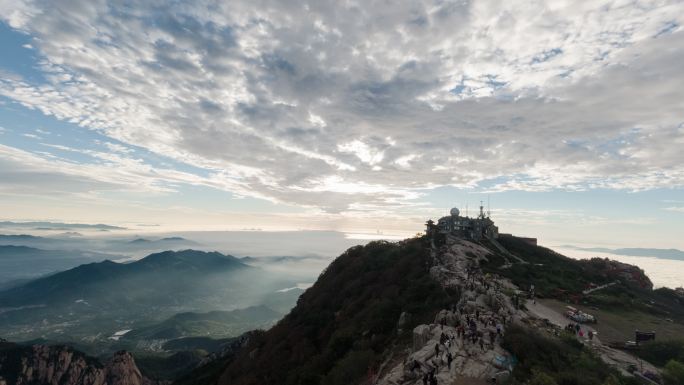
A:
[190,258]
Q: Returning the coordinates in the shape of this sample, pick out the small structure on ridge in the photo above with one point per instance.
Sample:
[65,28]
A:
[480,227]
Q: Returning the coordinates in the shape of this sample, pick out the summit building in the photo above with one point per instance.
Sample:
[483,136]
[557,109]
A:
[481,227]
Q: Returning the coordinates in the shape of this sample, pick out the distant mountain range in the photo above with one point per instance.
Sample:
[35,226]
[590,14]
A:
[100,298]
[152,244]
[673,254]
[75,241]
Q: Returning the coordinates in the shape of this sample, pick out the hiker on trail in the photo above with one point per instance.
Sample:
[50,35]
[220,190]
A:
[591,335]
[477,313]
[581,333]
[481,344]
[499,329]
[577,328]
[449,359]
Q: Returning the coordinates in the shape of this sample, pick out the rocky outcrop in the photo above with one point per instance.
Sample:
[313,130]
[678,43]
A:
[62,365]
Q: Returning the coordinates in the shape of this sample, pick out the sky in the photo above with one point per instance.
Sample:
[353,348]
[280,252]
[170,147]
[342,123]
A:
[355,116]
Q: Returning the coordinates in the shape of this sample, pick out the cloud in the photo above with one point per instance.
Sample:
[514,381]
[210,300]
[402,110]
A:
[341,106]
[43,173]
[678,209]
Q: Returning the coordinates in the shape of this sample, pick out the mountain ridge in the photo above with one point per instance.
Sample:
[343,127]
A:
[374,303]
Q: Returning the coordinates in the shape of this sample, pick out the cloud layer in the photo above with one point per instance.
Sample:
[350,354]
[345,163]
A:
[363,105]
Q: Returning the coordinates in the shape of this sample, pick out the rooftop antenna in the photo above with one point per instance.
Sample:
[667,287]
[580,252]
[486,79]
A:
[489,212]
[481,209]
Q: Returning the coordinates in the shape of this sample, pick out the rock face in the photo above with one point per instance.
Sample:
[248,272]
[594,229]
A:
[62,365]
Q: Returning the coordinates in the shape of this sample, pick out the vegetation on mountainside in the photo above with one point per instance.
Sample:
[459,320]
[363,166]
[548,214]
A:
[547,270]
[216,324]
[168,367]
[556,276]
[626,305]
[343,325]
[546,360]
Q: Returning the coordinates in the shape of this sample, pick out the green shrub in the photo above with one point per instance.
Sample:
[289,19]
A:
[674,373]
[349,369]
[660,352]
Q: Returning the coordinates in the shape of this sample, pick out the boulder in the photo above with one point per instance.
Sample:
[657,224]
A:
[421,335]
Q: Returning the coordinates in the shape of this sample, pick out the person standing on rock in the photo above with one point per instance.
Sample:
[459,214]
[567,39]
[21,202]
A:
[449,359]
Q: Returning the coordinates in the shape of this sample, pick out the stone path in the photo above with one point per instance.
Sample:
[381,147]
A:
[468,331]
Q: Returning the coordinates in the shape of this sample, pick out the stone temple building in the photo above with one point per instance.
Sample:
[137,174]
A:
[481,227]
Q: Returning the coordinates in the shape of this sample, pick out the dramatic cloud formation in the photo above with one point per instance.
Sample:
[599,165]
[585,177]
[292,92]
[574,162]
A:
[345,105]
